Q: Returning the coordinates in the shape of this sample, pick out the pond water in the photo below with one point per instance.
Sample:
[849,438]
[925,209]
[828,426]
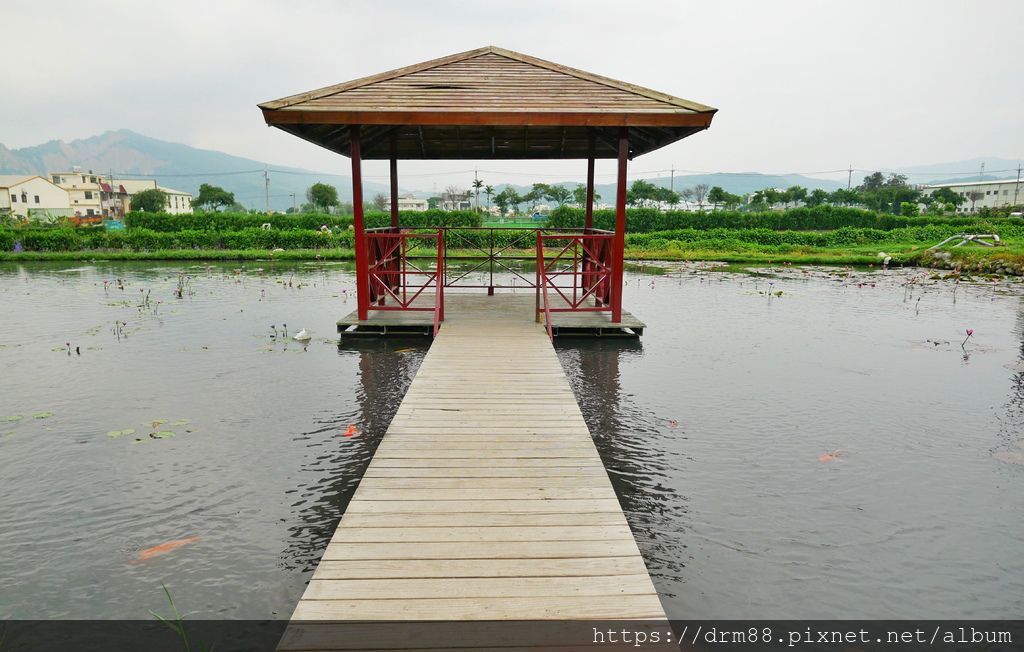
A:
[829,452]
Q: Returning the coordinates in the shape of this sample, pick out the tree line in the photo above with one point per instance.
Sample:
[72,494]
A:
[878,192]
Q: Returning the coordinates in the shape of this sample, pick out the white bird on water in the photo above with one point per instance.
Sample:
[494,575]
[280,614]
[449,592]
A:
[303,336]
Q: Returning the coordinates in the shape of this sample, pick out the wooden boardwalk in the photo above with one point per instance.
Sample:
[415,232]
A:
[486,500]
[504,306]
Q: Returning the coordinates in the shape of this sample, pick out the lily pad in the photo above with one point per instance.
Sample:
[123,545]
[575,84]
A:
[114,434]
[42,415]
[179,422]
[163,434]
[10,417]
[155,423]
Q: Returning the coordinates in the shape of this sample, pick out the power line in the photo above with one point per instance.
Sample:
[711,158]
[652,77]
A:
[671,172]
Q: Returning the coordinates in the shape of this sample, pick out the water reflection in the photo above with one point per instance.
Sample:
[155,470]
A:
[343,442]
[1009,430]
[637,447]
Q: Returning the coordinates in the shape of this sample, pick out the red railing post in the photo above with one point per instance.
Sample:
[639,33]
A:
[540,271]
[619,241]
[440,272]
[362,262]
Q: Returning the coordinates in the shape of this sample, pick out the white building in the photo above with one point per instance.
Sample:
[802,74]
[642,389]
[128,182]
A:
[177,201]
[83,191]
[983,194]
[408,203]
[30,195]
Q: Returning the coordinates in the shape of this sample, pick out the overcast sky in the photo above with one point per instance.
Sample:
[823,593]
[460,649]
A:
[801,86]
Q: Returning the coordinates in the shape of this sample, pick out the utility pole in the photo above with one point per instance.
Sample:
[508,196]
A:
[266,190]
[849,177]
[981,177]
[1016,188]
[294,210]
[672,182]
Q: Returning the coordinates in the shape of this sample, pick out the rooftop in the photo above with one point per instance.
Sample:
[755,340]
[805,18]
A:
[488,103]
[973,183]
[8,180]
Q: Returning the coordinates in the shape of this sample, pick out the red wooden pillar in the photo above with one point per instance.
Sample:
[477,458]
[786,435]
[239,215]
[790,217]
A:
[589,223]
[619,241]
[362,263]
[394,184]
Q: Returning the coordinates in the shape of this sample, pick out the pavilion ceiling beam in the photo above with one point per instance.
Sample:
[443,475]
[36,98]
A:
[376,137]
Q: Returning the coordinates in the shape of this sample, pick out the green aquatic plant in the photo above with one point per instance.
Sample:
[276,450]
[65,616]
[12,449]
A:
[177,624]
[113,434]
[10,417]
[179,422]
[163,434]
[42,415]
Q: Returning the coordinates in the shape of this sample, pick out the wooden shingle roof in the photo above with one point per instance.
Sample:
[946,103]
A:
[488,103]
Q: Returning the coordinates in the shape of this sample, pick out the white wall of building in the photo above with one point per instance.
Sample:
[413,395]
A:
[178,202]
[24,195]
[83,191]
[408,204]
[989,194]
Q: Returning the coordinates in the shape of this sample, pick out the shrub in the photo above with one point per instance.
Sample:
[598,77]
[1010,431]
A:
[216,221]
[817,218]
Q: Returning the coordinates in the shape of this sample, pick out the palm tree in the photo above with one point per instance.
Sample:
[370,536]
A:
[477,185]
[489,190]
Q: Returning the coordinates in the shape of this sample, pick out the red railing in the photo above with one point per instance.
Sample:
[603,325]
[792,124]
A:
[580,273]
[575,270]
[394,274]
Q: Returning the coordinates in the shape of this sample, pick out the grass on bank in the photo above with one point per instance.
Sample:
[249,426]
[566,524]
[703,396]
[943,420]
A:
[1009,256]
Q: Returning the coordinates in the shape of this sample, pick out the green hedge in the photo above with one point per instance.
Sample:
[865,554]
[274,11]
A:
[214,221]
[817,218]
[733,239]
[66,239]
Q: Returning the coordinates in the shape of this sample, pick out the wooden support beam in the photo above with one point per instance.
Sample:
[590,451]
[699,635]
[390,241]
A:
[362,262]
[619,241]
[394,183]
[589,222]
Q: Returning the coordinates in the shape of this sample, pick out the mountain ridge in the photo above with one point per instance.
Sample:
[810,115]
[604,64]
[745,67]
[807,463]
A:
[183,167]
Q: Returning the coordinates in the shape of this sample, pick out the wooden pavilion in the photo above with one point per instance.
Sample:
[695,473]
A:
[488,103]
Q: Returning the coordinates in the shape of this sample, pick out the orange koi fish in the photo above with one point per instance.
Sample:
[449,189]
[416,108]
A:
[163,548]
[831,456]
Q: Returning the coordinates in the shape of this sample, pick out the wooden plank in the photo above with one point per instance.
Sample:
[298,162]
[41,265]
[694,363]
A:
[484,519]
[481,550]
[476,471]
[474,587]
[466,533]
[619,607]
[371,493]
[588,481]
[515,506]
[580,567]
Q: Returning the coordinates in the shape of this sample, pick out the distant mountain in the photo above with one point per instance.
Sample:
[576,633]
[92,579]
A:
[174,165]
[183,167]
[962,171]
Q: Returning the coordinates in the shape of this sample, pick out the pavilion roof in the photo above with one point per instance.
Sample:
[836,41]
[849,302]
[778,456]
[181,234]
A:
[488,103]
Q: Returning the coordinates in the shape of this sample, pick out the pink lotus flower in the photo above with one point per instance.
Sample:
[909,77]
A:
[970,331]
